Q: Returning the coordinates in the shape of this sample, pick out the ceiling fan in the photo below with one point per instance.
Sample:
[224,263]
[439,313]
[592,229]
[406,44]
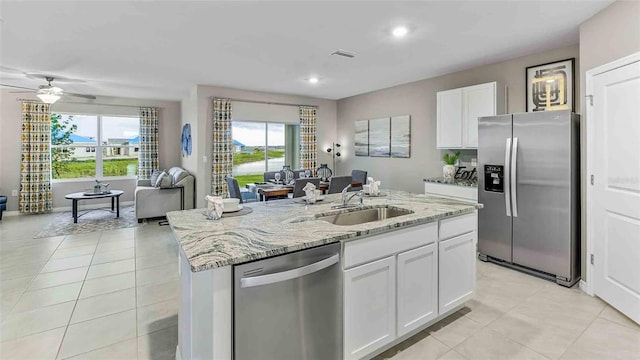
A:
[49,94]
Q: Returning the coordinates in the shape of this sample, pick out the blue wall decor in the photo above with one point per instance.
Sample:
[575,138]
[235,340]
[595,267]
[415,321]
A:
[186,140]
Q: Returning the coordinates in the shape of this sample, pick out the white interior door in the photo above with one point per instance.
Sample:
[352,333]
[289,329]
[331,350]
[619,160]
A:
[616,190]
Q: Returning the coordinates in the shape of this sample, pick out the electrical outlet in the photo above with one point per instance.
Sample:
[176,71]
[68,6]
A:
[14,192]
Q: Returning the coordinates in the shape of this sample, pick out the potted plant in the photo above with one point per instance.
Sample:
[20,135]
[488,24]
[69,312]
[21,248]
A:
[449,168]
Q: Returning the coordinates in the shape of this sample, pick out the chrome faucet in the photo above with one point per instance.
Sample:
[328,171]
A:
[346,198]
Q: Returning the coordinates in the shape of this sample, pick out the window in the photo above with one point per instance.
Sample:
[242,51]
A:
[94,146]
[261,147]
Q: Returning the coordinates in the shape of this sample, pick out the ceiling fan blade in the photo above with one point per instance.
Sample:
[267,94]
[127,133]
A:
[17,87]
[91,97]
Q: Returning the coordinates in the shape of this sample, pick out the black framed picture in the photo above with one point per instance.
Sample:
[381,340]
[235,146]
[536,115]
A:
[550,86]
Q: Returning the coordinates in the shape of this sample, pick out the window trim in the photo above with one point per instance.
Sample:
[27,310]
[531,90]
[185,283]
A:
[98,150]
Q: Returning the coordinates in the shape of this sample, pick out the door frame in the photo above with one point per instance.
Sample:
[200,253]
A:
[587,286]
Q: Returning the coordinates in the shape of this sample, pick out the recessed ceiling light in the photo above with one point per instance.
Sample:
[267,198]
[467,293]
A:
[400,31]
[313,80]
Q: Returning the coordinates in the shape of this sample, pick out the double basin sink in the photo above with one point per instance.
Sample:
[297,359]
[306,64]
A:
[365,215]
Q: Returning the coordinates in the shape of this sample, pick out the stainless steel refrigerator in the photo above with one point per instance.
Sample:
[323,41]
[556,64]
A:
[530,188]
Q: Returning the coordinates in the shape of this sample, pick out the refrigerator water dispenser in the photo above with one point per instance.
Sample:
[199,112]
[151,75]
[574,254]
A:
[494,178]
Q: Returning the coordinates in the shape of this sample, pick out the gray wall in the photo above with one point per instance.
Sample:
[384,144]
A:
[199,107]
[418,99]
[611,34]
[11,120]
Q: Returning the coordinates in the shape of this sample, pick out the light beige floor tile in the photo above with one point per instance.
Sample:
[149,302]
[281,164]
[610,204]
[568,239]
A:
[158,345]
[76,243]
[24,259]
[157,316]
[45,249]
[117,235]
[98,333]
[16,283]
[605,339]
[74,251]
[8,299]
[419,346]
[35,299]
[614,315]
[39,346]
[150,294]
[30,322]
[488,344]
[162,258]
[536,333]
[114,245]
[454,329]
[102,305]
[156,274]
[21,270]
[115,255]
[452,355]
[108,284]
[124,350]
[67,263]
[58,278]
[83,236]
[10,245]
[111,268]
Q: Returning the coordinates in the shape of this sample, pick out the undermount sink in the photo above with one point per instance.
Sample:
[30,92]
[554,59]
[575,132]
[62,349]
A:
[364,216]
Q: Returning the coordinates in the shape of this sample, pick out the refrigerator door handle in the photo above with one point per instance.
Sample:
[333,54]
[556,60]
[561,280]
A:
[507,175]
[514,169]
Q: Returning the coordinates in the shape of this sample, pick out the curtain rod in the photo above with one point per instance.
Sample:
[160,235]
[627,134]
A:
[99,104]
[262,102]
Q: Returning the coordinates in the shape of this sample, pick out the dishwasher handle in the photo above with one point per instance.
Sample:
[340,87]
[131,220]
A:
[252,281]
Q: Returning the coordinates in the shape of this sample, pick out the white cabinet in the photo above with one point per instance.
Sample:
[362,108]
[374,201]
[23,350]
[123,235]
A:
[370,307]
[417,288]
[456,271]
[468,193]
[449,119]
[458,111]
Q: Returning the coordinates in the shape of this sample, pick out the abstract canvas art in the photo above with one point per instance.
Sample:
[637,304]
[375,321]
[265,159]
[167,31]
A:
[361,144]
[550,86]
[380,137]
[401,136]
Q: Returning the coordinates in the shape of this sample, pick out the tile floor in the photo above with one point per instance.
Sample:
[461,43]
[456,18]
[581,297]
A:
[114,295]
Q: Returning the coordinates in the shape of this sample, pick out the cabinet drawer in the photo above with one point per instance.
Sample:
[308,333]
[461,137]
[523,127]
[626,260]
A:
[458,225]
[358,252]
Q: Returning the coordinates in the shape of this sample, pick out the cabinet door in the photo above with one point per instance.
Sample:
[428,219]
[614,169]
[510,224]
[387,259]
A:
[449,119]
[417,287]
[369,307]
[478,101]
[456,271]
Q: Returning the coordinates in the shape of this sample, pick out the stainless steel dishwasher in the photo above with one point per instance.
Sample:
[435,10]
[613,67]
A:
[289,307]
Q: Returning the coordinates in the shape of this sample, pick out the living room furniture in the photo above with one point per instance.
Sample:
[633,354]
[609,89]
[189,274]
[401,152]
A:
[155,202]
[3,205]
[75,197]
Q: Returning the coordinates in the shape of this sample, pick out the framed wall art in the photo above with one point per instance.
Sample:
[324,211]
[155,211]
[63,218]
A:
[380,137]
[401,136]
[361,140]
[550,86]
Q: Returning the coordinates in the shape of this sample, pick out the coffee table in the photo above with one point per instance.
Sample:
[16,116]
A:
[75,197]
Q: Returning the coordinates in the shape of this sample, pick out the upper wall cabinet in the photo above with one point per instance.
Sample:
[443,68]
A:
[458,111]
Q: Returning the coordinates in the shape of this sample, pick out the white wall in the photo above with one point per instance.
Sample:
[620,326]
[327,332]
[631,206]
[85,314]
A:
[202,141]
[418,99]
[11,120]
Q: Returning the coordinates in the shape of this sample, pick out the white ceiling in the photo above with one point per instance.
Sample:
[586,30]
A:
[162,49]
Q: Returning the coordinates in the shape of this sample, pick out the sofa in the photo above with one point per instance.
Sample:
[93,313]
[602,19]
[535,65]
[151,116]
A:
[155,202]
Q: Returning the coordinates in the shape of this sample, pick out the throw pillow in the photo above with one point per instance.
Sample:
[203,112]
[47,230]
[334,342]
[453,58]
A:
[166,181]
[154,177]
[158,181]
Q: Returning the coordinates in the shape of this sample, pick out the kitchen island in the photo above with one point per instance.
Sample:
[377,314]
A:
[430,228]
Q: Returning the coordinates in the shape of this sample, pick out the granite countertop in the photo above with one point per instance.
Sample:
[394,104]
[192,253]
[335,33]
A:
[282,226]
[458,182]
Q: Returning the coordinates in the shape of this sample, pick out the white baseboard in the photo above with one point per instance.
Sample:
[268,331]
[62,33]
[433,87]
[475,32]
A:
[584,287]
[68,208]
[178,355]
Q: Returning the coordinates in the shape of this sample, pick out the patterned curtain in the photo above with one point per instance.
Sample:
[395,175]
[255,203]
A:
[35,161]
[222,152]
[308,138]
[148,155]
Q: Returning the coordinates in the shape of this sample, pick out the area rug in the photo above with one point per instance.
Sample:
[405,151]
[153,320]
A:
[94,220]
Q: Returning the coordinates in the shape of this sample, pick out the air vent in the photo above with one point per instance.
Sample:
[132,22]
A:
[344,53]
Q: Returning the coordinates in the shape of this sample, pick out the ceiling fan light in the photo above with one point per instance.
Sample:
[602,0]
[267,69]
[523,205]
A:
[48,98]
